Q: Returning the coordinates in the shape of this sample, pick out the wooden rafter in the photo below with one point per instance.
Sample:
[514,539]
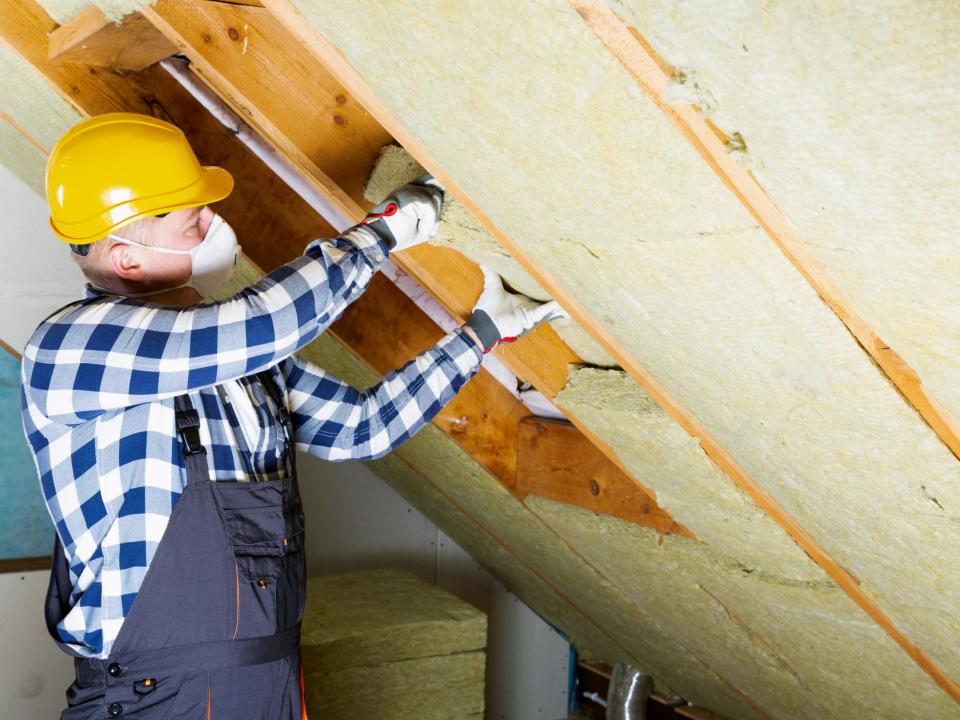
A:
[338,65]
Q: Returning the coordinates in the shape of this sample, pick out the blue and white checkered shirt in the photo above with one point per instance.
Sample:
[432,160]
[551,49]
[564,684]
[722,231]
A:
[100,377]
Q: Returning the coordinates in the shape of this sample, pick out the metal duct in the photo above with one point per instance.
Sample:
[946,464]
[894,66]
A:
[628,693]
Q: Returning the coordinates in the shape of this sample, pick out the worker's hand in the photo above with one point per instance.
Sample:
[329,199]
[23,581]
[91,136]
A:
[501,316]
[410,215]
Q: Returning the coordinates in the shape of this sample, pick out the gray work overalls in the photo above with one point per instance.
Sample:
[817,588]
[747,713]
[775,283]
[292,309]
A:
[214,631]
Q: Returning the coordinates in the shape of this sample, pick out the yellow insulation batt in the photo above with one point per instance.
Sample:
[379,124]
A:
[385,644]
[36,116]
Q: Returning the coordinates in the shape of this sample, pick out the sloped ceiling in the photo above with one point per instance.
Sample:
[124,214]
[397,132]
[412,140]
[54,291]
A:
[824,495]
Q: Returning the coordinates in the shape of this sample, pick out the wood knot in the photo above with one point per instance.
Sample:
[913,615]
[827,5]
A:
[340,120]
[341,99]
[234,34]
[207,38]
[594,487]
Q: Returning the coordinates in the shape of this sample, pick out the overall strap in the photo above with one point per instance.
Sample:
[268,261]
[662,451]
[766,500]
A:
[188,428]
[270,384]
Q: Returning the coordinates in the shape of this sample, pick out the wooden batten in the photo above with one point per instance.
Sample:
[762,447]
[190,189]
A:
[93,39]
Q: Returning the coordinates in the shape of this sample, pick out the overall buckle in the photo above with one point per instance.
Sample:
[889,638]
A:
[188,425]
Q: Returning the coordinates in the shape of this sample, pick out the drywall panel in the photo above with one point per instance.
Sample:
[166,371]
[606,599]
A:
[802,650]
[356,522]
[460,231]
[850,113]
[564,152]
[37,275]
[522,645]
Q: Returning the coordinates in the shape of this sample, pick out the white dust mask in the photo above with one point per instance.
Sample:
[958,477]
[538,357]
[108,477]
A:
[212,261]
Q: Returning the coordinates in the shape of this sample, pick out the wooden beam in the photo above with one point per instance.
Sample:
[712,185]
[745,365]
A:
[338,65]
[24,28]
[556,461]
[274,82]
[93,39]
[25,564]
[697,713]
[9,349]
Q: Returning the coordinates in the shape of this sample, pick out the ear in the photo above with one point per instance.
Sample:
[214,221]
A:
[124,263]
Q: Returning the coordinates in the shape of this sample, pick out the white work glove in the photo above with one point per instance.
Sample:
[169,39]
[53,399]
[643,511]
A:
[410,215]
[501,316]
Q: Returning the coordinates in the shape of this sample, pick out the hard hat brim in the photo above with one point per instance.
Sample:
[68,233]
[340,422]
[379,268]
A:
[213,184]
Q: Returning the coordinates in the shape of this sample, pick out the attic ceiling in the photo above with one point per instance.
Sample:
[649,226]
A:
[747,210]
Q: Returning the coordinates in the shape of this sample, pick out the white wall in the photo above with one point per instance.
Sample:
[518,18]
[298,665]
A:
[354,522]
[36,273]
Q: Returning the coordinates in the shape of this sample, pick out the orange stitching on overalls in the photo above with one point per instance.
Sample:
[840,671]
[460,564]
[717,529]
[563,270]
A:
[303,700]
[209,694]
[236,627]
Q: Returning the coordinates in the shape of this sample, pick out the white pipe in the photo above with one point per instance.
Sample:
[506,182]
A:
[179,68]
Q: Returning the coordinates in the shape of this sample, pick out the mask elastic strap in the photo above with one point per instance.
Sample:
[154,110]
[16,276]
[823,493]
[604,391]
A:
[150,247]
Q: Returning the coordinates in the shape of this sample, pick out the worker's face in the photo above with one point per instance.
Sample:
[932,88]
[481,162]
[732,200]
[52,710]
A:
[179,230]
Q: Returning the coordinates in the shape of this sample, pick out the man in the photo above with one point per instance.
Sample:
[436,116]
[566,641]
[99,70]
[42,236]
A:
[164,430]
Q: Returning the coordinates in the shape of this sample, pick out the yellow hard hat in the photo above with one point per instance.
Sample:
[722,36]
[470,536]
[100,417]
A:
[111,170]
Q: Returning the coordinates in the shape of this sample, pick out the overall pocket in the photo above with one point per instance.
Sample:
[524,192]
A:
[270,569]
